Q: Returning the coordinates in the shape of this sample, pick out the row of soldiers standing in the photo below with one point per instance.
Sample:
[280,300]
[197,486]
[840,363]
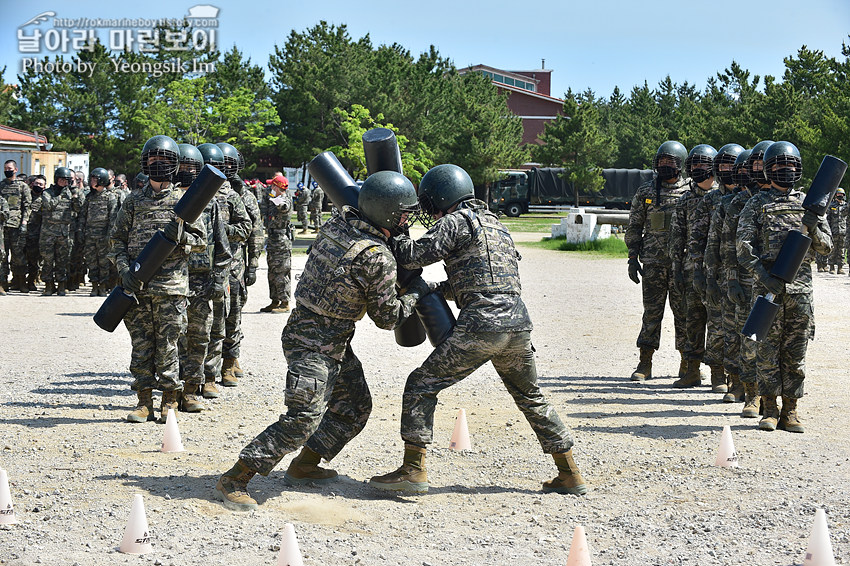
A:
[309,198]
[708,240]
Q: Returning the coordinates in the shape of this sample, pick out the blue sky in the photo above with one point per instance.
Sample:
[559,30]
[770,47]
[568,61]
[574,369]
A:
[593,45]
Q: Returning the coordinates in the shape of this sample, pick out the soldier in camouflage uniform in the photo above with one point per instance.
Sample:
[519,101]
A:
[244,272]
[303,196]
[77,263]
[238,227]
[647,237]
[18,197]
[159,317]
[278,244]
[723,166]
[762,229]
[740,282]
[208,279]
[483,280]
[349,272]
[39,183]
[58,205]
[4,215]
[96,220]
[317,198]
[836,216]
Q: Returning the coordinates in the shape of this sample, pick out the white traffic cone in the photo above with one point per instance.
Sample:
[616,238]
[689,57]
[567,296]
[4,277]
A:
[171,437]
[460,435]
[819,551]
[726,455]
[7,510]
[289,554]
[137,537]
[579,551]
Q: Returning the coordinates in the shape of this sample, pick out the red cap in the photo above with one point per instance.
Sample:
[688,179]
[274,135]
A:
[279,181]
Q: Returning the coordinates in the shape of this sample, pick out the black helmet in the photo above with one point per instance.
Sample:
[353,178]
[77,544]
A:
[164,168]
[63,173]
[698,165]
[724,162]
[231,159]
[757,156]
[140,181]
[442,187]
[241,160]
[674,150]
[99,176]
[740,174]
[785,157]
[384,199]
[191,162]
[212,155]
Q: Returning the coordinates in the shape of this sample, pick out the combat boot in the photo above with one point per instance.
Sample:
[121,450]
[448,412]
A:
[104,290]
[644,368]
[95,290]
[304,468]
[692,377]
[840,270]
[284,307]
[49,289]
[169,401]
[144,409]
[718,379]
[22,282]
[13,283]
[270,307]
[228,376]
[31,282]
[832,269]
[232,488]
[569,479]
[683,367]
[189,401]
[736,389]
[237,369]
[411,477]
[210,390]
[2,291]
[788,419]
[771,413]
[60,289]
[752,401]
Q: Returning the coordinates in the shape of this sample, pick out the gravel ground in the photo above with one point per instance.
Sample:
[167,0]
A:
[647,452]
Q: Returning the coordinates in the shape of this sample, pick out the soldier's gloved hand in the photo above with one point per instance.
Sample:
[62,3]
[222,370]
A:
[635,269]
[217,285]
[173,231]
[22,228]
[700,281]
[712,292]
[735,292]
[418,287]
[250,276]
[810,219]
[678,277]
[130,282]
[768,281]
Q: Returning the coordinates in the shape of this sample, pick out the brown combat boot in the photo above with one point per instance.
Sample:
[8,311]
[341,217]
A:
[788,419]
[304,468]
[169,401]
[752,401]
[270,307]
[840,270]
[60,289]
[832,269]
[228,377]
[718,379]
[411,477]
[284,307]
[189,401]
[644,368]
[569,479]
[95,290]
[49,289]
[144,409]
[771,413]
[237,369]
[692,377]
[210,390]
[683,367]
[232,488]
[736,389]
[2,291]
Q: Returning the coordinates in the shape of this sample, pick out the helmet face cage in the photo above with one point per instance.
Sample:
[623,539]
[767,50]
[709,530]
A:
[789,169]
[212,155]
[698,174]
[724,165]
[230,166]
[163,168]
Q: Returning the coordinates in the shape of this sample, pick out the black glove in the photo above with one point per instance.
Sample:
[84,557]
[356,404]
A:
[22,228]
[700,281]
[418,287]
[768,281]
[250,276]
[712,292]
[810,219]
[173,231]
[735,292]
[130,282]
[217,285]
[635,269]
[678,277]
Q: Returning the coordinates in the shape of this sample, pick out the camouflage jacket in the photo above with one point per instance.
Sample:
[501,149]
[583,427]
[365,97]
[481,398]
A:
[253,245]
[481,264]
[18,197]
[316,198]
[836,216]
[237,225]
[4,215]
[763,227]
[278,216]
[216,258]
[143,213]
[349,272]
[59,207]
[650,219]
[716,266]
[99,212]
[683,223]
[729,237]
[698,239]
[303,196]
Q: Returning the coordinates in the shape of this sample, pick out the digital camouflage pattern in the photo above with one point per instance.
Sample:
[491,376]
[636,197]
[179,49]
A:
[762,228]
[58,205]
[4,214]
[96,219]
[279,247]
[78,263]
[316,199]
[303,197]
[18,198]
[33,252]
[647,237]
[154,325]
[327,399]
[836,217]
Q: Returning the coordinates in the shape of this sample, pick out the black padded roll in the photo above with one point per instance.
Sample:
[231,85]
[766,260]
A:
[437,318]
[826,182]
[152,257]
[760,319]
[199,194]
[326,169]
[112,311]
[382,153]
[791,256]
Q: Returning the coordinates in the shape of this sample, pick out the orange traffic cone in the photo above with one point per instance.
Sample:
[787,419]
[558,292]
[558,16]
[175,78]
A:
[7,510]
[289,554]
[819,551]
[579,551]
[137,537]
[726,455]
[460,436]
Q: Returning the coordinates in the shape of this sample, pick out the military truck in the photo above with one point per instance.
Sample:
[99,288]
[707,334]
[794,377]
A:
[516,191]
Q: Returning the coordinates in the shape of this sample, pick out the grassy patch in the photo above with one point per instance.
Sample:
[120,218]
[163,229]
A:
[611,247]
[541,223]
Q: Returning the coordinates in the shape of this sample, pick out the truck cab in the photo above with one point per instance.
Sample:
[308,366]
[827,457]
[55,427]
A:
[509,194]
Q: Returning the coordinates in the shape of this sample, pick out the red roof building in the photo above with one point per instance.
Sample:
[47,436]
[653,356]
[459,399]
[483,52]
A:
[13,137]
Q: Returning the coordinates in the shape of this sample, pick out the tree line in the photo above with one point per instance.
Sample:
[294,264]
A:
[326,88]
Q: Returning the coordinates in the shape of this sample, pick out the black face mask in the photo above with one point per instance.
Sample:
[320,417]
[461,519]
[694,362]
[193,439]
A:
[161,171]
[784,177]
[700,175]
[185,178]
[9,174]
[666,172]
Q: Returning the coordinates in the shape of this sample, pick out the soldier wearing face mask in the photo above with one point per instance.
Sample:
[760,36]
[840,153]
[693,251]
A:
[18,197]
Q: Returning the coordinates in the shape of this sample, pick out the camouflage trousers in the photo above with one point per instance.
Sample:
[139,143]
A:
[781,362]
[96,250]
[327,404]
[233,321]
[302,216]
[714,335]
[154,325]
[836,256]
[656,286]
[279,258]
[696,316]
[731,352]
[33,254]
[458,356]
[315,217]
[749,348]
[55,254]
[77,264]
[820,260]
[14,253]
[212,362]
[196,339]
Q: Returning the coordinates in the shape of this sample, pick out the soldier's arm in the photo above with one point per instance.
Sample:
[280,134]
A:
[435,245]
[4,211]
[637,219]
[120,236]
[222,256]
[195,236]
[746,242]
[727,243]
[676,244]
[255,239]
[711,258]
[240,224]
[375,271]
[26,203]
[699,233]
[821,236]
[82,218]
